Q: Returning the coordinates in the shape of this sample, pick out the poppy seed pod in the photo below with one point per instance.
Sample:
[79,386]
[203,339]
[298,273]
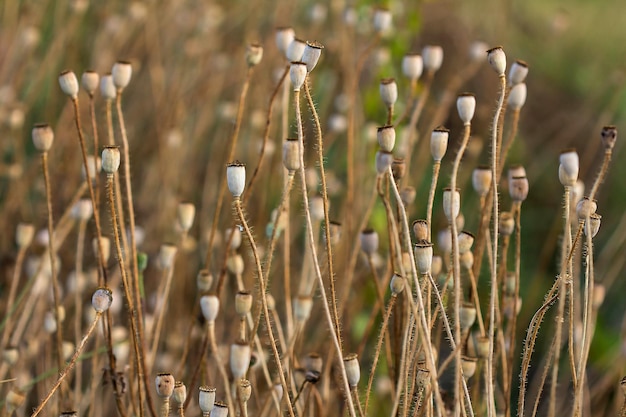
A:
[236,178]
[439,143]
[497,59]
[24,233]
[477,51]
[105,243]
[467,315]
[397,284]
[243,303]
[506,223]
[164,385]
[481,180]
[398,168]
[297,73]
[13,400]
[432,57]
[311,54]
[220,409]
[235,264]
[11,355]
[437,265]
[466,260]
[382,21]
[235,240]
[609,137]
[585,208]
[111,159]
[295,50]
[206,399]
[204,280]
[69,84]
[107,88]
[90,81]
[466,106]
[451,203]
[420,229]
[412,66]
[42,136]
[244,390]
[468,366]
[388,90]
[518,72]
[291,154]
[302,306]
[94,166]
[102,299]
[210,305]
[167,255]
[383,161]
[186,213]
[369,241]
[423,251]
[121,73]
[180,393]
[568,170]
[516,171]
[353,370]
[594,225]
[284,36]
[316,204]
[386,136]
[254,54]
[407,195]
[518,189]
[240,355]
[466,240]
[444,240]
[517,96]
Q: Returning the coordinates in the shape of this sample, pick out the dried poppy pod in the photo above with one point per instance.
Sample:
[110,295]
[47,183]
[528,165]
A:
[353,370]
[240,354]
[439,143]
[517,96]
[586,207]
[244,389]
[297,74]
[206,399]
[13,400]
[313,362]
[291,154]
[210,305]
[398,168]
[594,225]
[383,161]
[382,21]
[437,265]
[467,315]
[432,57]
[568,168]
[388,90]
[467,260]
[506,223]
[186,213]
[386,136]
[254,54]
[167,255]
[451,203]
[466,240]
[24,233]
[397,284]
[469,366]
[121,73]
[105,244]
[302,306]
[609,137]
[219,410]
[518,189]
[235,264]
[283,37]
[369,241]
[90,81]
[111,159]
[420,229]
[423,252]
[517,73]
[42,136]
[180,393]
[164,385]
[102,299]
[107,88]
[243,303]
[412,66]
[497,59]
[482,347]
[204,280]
[10,355]
[466,106]
[311,54]
[481,180]
[236,178]
[295,50]
[69,84]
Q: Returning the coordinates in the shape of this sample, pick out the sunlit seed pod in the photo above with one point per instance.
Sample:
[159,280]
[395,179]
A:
[107,88]
[206,399]
[465,241]
[284,36]
[71,413]
[386,136]
[481,180]
[316,204]
[244,390]
[398,169]
[180,393]
[444,240]
[42,136]
[235,264]
[311,54]
[121,73]
[220,409]
[585,208]
[467,315]
[517,73]
[243,303]
[291,154]
[466,106]
[466,260]
[102,299]
[236,178]
[313,362]
[569,164]
[432,57]
[302,306]
[164,383]
[297,74]
[518,189]
[451,203]
[497,59]
[397,284]
[420,229]
[482,347]
[240,354]
[105,243]
[111,159]
[477,51]
[509,283]
[10,355]
[517,96]
[388,89]
[49,322]
[439,143]
[506,223]
[254,54]
[90,80]
[204,280]
[210,305]
[94,166]
[271,302]
[594,225]
[186,213]
[69,84]
[295,50]
[408,195]
[423,252]
[469,366]
[369,241]
[353,370]
[412,66]
[383,161]
[516,171]
[609,137]
[167,255]
[24,234]
[235,240]
[382,21]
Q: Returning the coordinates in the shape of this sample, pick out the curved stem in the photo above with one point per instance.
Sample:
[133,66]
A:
[431,198]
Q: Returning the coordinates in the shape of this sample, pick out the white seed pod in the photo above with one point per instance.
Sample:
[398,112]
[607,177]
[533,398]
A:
[518,189]
[164,385]
[568,168]
[497,59]
[311,54]
[408,195]
[481,345]
[436,266]
[506,223]
[105,242]
[517,96]
[90,81]
[386,136]
[220,409]
[204,280]
[295,50]
[516,171]
[82,210]
[11,354]
[466,106]
[466,259]
[481,180]
[585,208]
[43,137]
[353,370]
[423,252]
[291,154]
[594,225]
[284,36]
[94,166]
[244,390]
[316,204]
[111,159]
[383,161]
[439,143]
[180,393]
[236,178]
[210,305]
[467,315]
[397,284]
[412,66]
[206,399]
[186,213]
[235,241]
[388,91]
[432,56]
[477,51]
[382,21]
[465,241]
[69,84]
[444,240]
[518,72]
[107,88]
[451,204]
[297,73]
[243,303]
[167,255]
[121,73]
[254,54]
[240,354]
[235,264]
[468,366]
[24,234]
[49,322]
[102,299]
[302,306]
[369,241]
